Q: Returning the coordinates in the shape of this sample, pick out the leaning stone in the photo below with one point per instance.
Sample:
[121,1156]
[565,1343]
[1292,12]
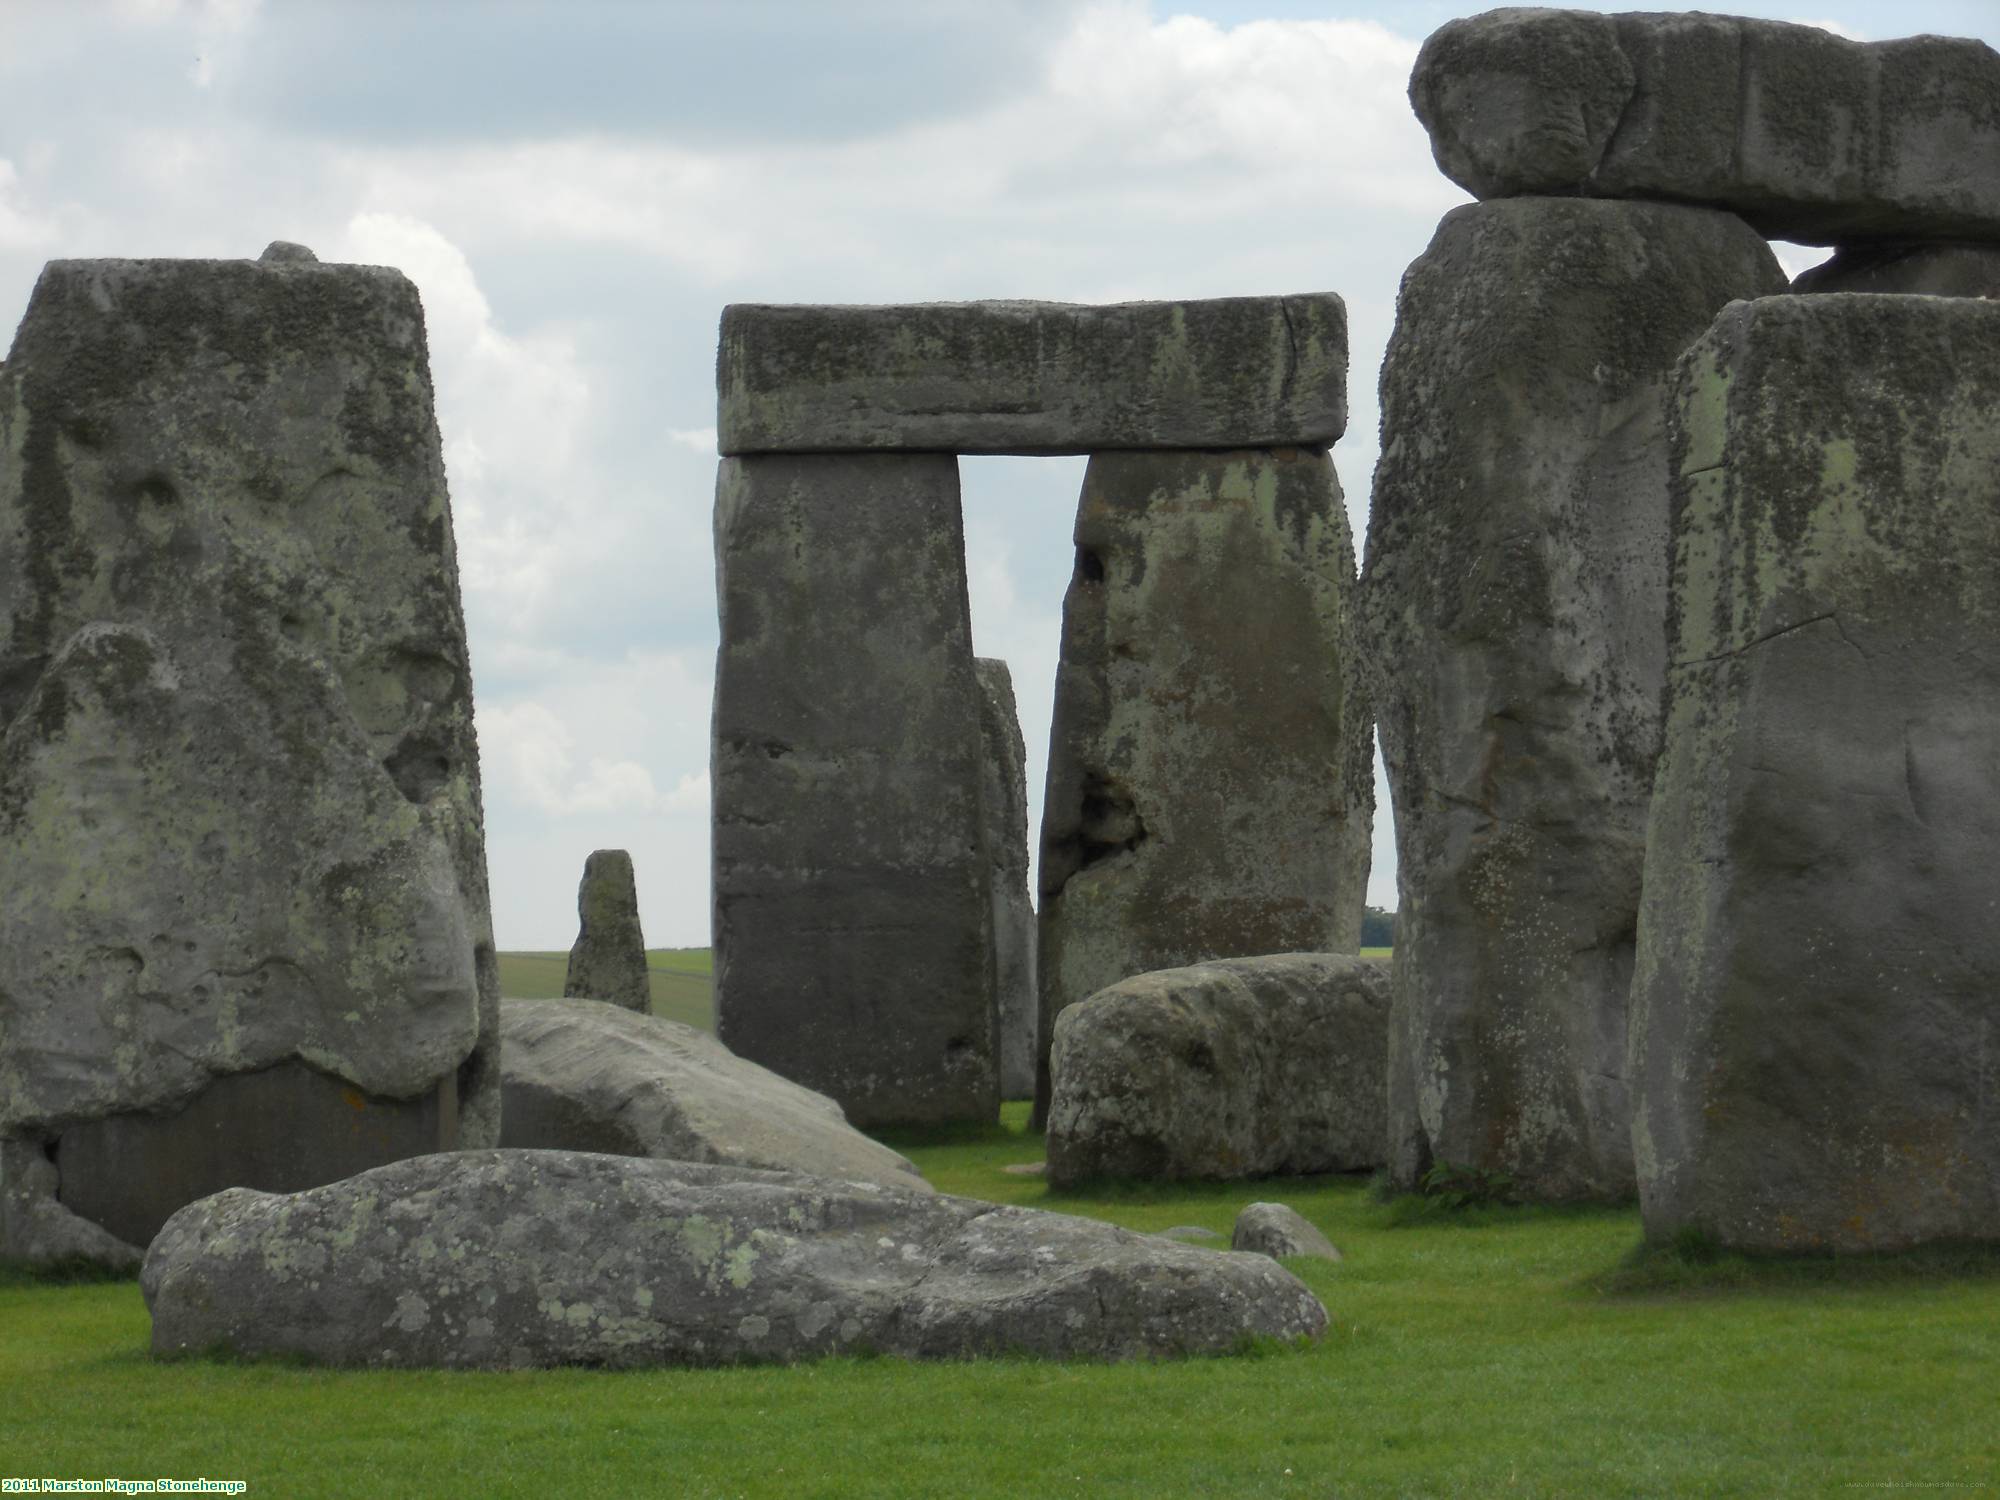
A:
[1516,595]
[1808,136]
[853,921]
[608,959]
[581,1075]
[244,929]
[1929,270]
[1034,377]
[535,1259]
[1240,1068]
[1275,1230]
[1814,1007]
[1211,787]
[1005,798]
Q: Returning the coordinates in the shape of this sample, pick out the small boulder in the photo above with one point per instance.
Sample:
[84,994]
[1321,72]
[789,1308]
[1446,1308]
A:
[608,960]
[1273,1229]
[533,1259]
[584,1075]
[1237,1068]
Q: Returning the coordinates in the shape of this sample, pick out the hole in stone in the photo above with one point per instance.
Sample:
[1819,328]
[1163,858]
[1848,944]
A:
[957,1047]
[155,489]
[292,625]
[1089,566]
[418,767]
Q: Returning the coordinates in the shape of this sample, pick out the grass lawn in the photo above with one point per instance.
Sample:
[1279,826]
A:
[1508,1351]
[680,978]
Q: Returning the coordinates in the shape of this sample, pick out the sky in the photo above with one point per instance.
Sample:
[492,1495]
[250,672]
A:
[578,188]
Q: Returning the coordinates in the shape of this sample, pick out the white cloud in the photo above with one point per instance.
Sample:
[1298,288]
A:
[699,439]
[1833,26]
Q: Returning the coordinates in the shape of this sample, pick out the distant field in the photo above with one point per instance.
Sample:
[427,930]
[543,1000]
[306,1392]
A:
[680,978]
[1377,952]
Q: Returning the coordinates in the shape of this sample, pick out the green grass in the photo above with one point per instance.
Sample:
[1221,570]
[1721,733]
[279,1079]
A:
[680,978]
[1499,1351]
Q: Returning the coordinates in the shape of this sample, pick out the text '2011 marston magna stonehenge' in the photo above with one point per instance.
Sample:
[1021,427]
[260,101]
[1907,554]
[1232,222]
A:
[1816,1016]
[244,930]
[1516,593]
[849,854]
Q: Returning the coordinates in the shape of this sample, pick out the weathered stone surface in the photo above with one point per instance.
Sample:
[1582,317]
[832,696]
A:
[1210,787]
[240,832]
[1929,270]
[1818,983]
[1276,1230]
[853,925]
[1515,590]
[1239,1068]
[1034,377]
[1807,135]
[581,1075]
[608,959]
[520,1259]
[1005,798]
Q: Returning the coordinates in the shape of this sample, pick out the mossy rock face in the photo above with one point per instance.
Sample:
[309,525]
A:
[1210,791]
[608,959]
[1515,598]
[536,1259]
[1818,959]
[239,795]
[1808,136]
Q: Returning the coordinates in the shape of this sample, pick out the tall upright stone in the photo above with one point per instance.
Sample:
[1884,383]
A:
[608,960]
[853,925]
[1515,589]
[1210,788]
[244,927]
[1005,797]
[1816,1013]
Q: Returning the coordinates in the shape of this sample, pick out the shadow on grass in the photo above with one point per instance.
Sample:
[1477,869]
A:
[60,1273]
[1692,1264]
[1457,1206]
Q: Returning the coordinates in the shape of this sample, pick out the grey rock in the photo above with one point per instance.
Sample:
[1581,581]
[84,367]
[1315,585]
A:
[581,1075]
[1239,1068]
[287,250]
[853,921]
[1210,789]
[1819,958]
[1515,591]
[1275,1230]
[1919,268]
[608,959]
[1005,797]
[244,874]
[532,1259]
[1808,136]
[1190,1233]
[1033,377]
[42,1232]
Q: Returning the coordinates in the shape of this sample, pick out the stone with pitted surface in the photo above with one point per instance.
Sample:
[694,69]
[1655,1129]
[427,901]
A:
[244,930]
[532,1259]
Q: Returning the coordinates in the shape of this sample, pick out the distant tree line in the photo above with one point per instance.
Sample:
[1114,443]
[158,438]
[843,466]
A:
[1378,927]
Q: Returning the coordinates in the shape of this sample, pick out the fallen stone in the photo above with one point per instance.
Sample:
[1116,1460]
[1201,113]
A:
[1806,135]
[244,929]
[1275,1230]
[1239,1068]
[1211,785]
[853,918]
[1005,798]
[1515,591]
[1189,1233]
[1025,1168]
[608,959]
[581,1075]
[1929,270]
[533,1259]
[1818,955]
[1034,377]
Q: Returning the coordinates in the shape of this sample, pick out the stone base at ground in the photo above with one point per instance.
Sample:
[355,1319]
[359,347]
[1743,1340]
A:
[580,1075]
[1818,980]
[535,1259]
[1238,1068]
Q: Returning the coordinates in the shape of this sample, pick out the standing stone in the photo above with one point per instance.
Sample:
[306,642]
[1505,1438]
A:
[1806,135]
[853,925]
[1005,792]
[1516,595]
[1816,1014]
[1210,788]
[1930,270]
[608,959]
[244,928]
